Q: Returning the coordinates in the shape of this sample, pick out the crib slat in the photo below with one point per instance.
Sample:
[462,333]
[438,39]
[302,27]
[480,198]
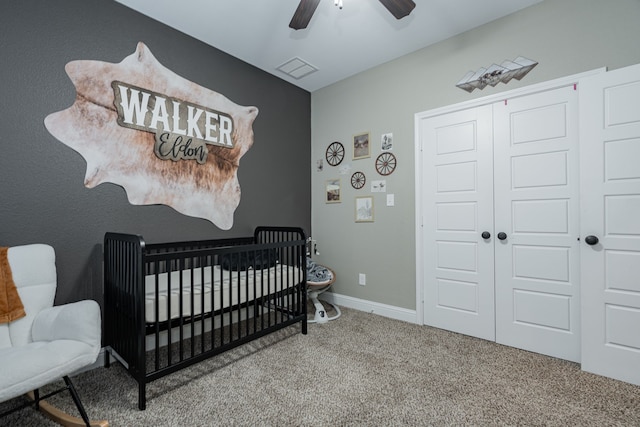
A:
[181,268]
[157,316]
[212,297]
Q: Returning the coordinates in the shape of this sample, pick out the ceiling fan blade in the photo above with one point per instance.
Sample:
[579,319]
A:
[303,14]
[399,8]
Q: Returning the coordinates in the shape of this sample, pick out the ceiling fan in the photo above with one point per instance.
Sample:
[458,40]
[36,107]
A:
[306,8]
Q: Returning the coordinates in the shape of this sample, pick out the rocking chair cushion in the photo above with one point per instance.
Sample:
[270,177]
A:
[30,366]
[76,321]
[65,339]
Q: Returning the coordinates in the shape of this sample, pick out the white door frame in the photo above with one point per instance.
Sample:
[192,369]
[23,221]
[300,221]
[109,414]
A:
[527,90]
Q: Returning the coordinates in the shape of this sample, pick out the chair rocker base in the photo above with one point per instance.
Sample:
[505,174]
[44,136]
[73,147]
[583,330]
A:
[54,413]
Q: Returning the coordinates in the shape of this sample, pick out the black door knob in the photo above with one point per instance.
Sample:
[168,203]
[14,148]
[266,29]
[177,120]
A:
[591,240]
[486,235]
[502,235]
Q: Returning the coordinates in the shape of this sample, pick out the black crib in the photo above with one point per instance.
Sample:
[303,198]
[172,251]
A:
[170,305]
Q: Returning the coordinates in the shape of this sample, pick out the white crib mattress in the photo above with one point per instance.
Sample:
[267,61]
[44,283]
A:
[267,281]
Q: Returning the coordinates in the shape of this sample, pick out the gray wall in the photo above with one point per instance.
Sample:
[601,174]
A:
[565,36]
[42,196]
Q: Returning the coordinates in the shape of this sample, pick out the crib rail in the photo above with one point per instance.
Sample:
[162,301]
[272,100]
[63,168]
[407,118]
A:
[218,294]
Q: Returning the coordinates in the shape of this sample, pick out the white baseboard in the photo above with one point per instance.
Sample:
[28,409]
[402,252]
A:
[100,360]
[99,363]
[380,309]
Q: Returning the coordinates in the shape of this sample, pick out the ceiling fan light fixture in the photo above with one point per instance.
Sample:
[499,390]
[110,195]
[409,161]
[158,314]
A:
[399,8]
[306,8]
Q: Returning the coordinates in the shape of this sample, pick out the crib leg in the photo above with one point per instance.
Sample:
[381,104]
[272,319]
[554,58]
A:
[142,397]
[304,311]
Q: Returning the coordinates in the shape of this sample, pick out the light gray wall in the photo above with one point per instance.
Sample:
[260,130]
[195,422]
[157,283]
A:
[565,36]
[42,195]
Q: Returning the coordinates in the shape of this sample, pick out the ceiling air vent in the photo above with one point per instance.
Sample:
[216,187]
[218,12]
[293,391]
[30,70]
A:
[297,68]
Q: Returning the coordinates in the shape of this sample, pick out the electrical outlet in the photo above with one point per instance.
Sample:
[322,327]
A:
[362,279]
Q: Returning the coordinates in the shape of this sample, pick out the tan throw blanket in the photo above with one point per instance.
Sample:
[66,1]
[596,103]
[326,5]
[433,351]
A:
[11,307]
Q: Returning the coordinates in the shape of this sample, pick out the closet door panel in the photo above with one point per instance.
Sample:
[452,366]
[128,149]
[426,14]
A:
[610,205]
[540,216]
[539,170]
[536,206]
[457,164]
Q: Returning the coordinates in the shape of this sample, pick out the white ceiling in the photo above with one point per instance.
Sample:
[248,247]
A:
[339,43]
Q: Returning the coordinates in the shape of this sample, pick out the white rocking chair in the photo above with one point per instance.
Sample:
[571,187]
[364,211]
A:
[50,342]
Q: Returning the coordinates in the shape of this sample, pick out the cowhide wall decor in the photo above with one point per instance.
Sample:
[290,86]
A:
[164,139]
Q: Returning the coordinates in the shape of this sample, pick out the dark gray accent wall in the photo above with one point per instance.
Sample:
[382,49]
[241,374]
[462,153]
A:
[42,194]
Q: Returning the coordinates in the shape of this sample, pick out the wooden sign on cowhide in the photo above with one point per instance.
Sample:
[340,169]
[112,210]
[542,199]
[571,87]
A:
[164,139]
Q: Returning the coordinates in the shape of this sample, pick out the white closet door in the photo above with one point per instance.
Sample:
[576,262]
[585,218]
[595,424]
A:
[536,206]
[610,201]
[457,164]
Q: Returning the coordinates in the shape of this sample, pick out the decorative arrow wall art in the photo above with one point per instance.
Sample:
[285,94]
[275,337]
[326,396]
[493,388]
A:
[495,74]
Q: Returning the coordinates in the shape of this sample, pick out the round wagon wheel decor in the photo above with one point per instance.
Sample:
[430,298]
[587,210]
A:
[386,163]
[335,153]
[357,180]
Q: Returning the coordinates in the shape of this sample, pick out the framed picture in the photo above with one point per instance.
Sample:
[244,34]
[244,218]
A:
[361,146]
[386,142]
[364,209]
[379,186]
[332,191]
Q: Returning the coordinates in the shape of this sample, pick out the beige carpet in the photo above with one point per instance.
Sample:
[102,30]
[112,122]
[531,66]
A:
[361,370]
